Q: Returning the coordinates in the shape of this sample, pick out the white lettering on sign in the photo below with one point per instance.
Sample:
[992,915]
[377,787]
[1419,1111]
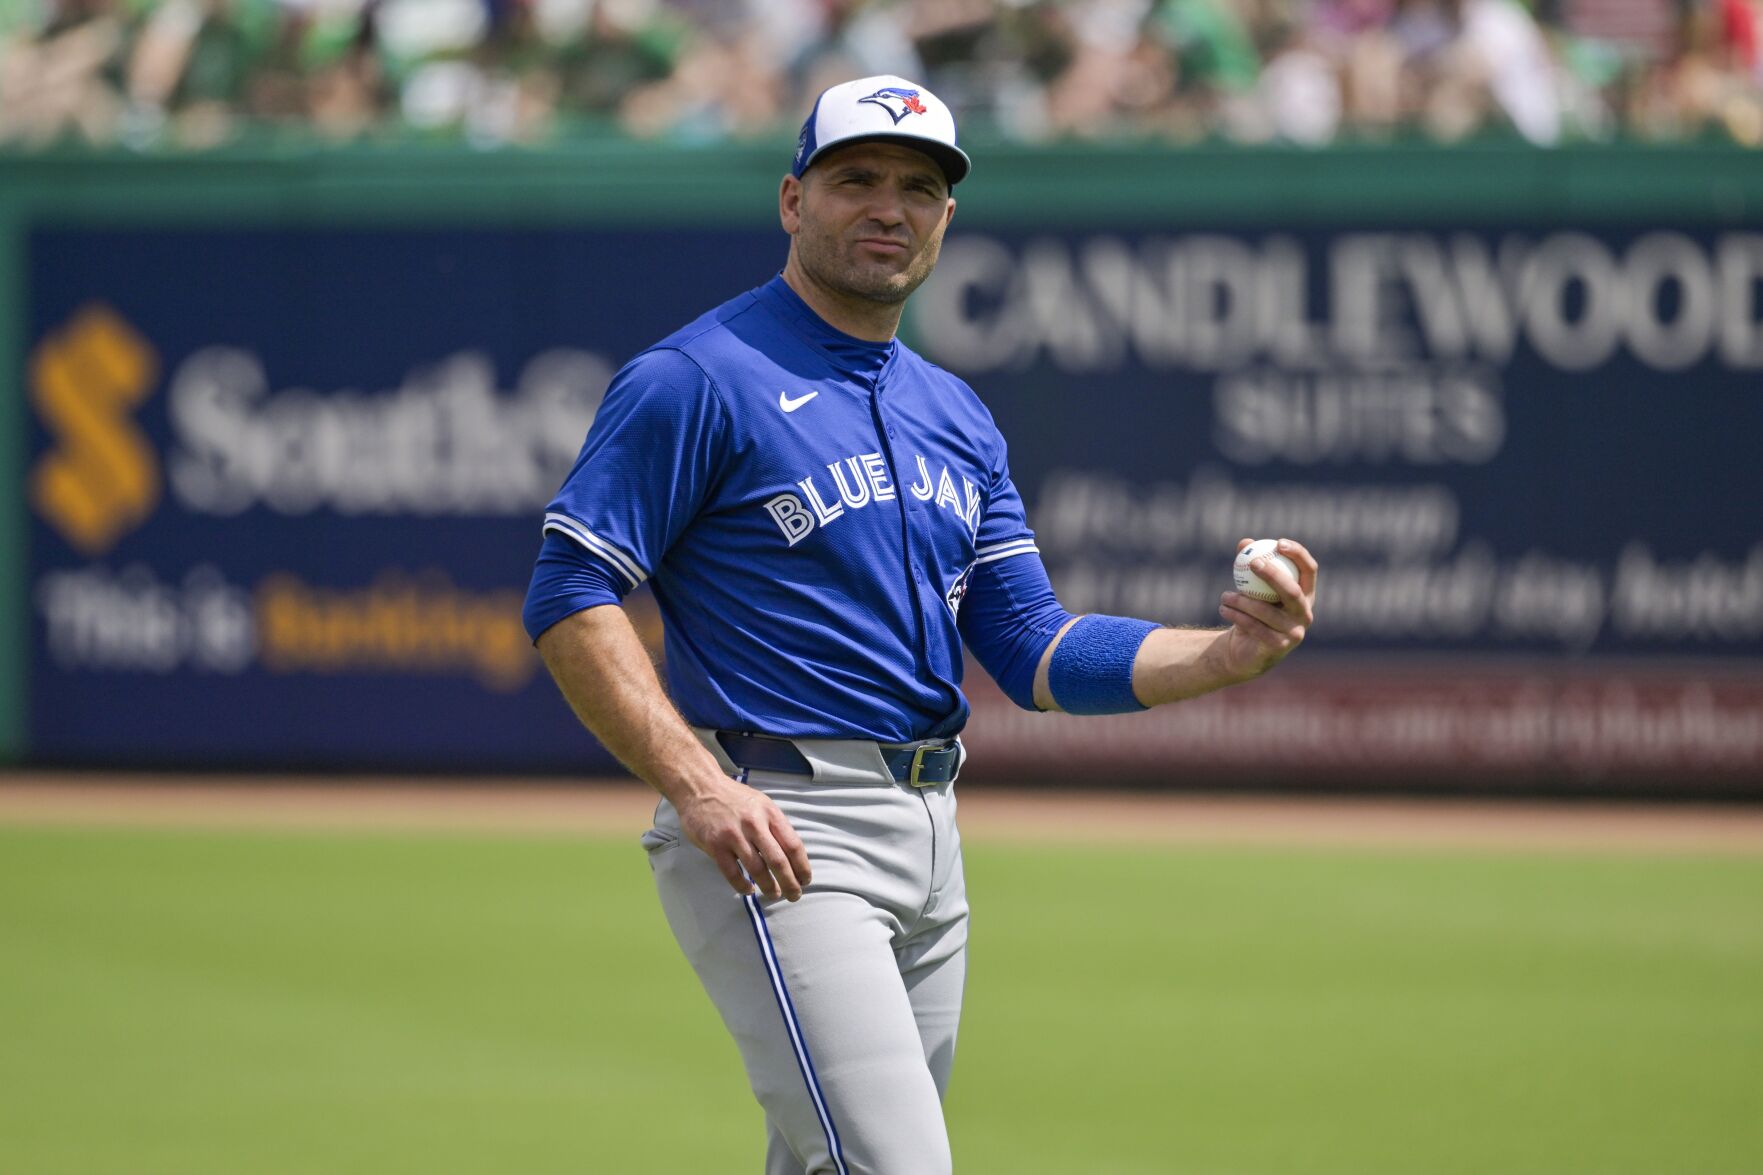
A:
[445,442]
[1207,302]
[131,621]
[1410,414]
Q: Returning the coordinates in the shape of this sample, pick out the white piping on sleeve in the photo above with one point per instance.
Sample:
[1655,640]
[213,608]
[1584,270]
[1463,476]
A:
[987,550]
[1005,550]
[621,562]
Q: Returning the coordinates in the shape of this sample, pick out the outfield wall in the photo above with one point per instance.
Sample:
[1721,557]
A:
[285,425]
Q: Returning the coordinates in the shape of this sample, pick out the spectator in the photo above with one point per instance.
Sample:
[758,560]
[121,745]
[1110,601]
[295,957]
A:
[64,82]
[192,62]
[1300,90]
[196,73]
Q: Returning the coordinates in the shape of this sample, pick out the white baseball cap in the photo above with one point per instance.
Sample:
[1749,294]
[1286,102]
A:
[882,108]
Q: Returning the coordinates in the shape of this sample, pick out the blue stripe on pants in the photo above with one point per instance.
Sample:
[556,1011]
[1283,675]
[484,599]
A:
[804,1062]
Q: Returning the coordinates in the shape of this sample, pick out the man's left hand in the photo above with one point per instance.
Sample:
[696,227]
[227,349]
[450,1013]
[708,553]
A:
[1262,634]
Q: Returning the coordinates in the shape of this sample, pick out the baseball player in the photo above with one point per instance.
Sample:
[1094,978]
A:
[828,520]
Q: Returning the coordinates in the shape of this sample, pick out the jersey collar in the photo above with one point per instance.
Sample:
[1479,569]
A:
[851,355]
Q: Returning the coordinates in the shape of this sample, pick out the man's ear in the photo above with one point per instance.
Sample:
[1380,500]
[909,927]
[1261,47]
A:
[789,204]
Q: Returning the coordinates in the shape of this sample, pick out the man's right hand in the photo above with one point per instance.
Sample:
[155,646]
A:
[603,670]
[740,828]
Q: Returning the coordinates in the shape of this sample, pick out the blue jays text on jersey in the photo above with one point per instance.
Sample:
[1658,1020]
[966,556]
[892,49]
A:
[812,509]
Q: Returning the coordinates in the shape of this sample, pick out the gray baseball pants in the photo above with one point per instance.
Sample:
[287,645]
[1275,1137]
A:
[844,1004]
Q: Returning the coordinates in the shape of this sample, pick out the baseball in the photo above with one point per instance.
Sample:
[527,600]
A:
[1253,585]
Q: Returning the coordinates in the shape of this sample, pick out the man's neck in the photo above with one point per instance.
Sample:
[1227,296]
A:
[876,322]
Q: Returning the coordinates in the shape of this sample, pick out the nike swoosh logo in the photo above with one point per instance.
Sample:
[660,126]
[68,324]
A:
[789,405]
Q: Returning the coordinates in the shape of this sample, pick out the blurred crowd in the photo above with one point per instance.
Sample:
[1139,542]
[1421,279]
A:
[199,73]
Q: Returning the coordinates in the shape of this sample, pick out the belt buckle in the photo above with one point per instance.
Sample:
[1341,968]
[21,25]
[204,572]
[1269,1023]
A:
[917,763]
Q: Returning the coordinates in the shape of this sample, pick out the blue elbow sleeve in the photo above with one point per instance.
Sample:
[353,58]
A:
[1091,670]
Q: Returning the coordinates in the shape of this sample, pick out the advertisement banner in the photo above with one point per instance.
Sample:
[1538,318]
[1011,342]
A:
[1513,452]
[285,483]
[286,486]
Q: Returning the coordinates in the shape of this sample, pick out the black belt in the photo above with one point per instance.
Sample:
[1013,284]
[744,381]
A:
[921,765]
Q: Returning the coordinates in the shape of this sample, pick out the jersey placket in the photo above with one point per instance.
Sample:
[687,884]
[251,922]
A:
[911,549]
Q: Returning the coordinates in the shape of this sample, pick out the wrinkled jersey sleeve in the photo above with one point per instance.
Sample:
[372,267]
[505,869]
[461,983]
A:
[1009,615]
[566,580]
[653,452]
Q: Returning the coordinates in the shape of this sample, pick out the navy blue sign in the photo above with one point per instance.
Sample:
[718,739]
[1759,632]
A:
[1505,441]
[285,485]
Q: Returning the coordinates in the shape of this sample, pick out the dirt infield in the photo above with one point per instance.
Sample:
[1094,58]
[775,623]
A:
[613,808]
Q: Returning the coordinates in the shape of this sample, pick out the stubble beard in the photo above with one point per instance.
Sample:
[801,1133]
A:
[827,260]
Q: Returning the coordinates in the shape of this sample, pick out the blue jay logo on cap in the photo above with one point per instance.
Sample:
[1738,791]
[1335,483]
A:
[898,102]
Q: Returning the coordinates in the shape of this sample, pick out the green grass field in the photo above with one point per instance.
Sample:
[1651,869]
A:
[257,1003]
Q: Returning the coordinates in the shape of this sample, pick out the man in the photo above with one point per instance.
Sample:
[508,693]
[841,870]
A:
[828,520]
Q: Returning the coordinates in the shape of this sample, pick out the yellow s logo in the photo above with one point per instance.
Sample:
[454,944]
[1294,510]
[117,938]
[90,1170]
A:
[102,478]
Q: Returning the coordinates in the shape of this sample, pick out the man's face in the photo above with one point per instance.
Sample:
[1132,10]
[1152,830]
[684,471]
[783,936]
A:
[868,220]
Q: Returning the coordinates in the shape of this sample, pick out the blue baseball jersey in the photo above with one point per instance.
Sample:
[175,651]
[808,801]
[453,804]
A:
[811,510]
